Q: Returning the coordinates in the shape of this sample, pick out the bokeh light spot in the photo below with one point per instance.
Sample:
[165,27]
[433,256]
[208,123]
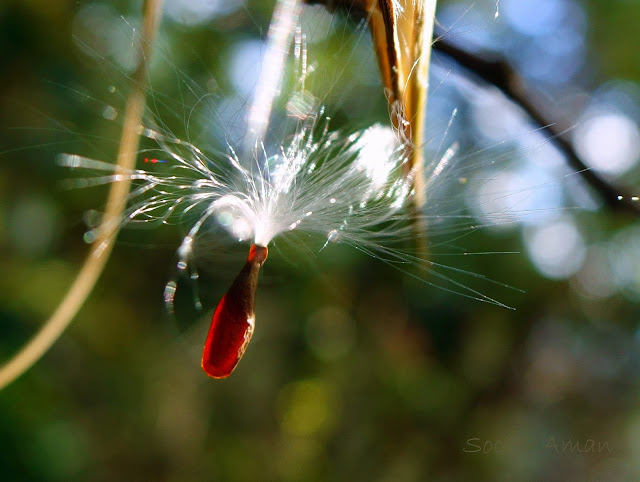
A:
[330,333]
[244,66]
[307,407]
[197,12]
[33,226]
[609,143]
[556,249]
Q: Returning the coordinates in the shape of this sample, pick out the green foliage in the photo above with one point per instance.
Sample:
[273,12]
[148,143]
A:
[356,371]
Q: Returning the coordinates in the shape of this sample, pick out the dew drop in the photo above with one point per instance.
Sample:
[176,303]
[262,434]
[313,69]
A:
[89,237]
[182,265]
[212,85]
[109,113]
[333,235]
[185,248]
[92,218]
[170,294]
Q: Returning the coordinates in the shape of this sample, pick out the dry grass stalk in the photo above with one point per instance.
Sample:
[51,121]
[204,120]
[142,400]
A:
[93,266]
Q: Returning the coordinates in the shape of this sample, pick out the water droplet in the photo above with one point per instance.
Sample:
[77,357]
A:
[182,265]
[109,112]
[212,85]
[333,235]
[170,294]
[92,218]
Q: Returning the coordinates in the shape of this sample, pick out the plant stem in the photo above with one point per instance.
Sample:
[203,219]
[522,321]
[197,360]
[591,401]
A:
[95,262]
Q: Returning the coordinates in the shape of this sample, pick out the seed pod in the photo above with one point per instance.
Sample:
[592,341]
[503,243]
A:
[233,321]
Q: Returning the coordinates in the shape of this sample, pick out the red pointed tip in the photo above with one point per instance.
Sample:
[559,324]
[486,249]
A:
[257,254]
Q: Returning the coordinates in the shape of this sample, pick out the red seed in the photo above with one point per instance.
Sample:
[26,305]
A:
[233,321]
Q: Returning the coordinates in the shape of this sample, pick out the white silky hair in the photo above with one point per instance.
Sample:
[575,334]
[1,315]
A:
[339,186]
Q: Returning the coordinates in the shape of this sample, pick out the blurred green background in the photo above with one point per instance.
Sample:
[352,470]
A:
[356,371]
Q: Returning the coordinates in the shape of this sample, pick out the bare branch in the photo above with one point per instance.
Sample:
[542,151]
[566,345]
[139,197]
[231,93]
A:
[499,73]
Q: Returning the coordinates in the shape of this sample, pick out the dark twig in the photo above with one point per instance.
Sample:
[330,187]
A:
[499,73]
